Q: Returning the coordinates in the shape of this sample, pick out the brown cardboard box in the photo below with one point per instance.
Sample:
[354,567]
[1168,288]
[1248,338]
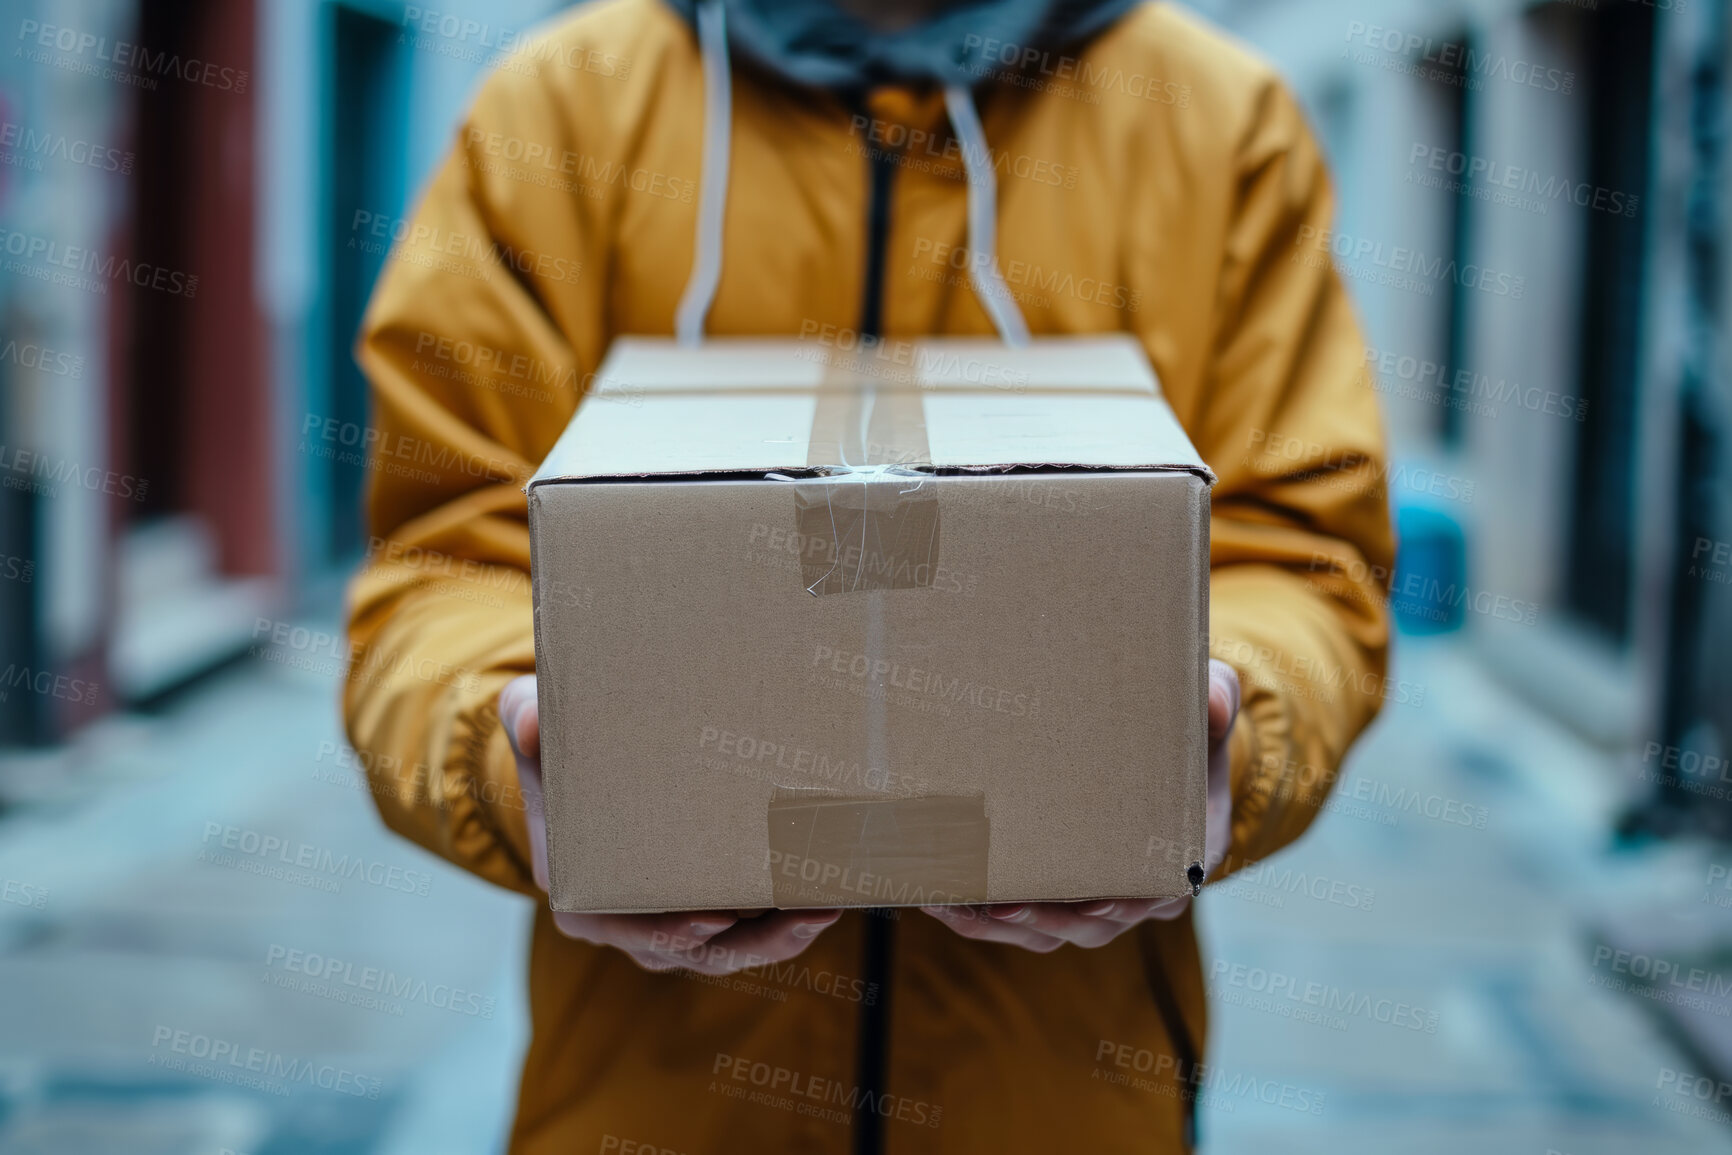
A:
[924,626]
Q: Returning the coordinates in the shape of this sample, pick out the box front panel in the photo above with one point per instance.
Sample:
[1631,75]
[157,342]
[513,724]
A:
[720,731]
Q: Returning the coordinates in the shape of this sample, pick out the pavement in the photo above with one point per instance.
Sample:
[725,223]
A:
[1437,965]
[173,981]
[209,944]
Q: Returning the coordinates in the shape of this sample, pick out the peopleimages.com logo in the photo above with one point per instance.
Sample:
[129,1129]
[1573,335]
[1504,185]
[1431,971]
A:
[46,683]
[257,852]
[341,980]
[132,62]
[1432,58]
[226,1061]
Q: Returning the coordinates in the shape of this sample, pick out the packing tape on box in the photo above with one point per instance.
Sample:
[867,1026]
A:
[870,520]
[827,849]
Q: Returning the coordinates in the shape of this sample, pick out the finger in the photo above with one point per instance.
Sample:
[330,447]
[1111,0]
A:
[649,933]
[536,823]
[572,925]
[774,937]
[1061,920]
[1129,911]
[969,923]
[988,929]
[1170,909]
[1224,694]
[519,717]
[519,712]
[1218,813]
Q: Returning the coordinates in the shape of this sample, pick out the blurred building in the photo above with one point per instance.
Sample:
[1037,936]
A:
[196,197]
[1531,214]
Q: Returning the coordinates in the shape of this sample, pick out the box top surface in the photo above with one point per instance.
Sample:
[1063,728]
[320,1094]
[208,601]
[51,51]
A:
[748,407]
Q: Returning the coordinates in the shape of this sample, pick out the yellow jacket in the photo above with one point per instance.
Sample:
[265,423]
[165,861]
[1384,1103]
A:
[1159,180]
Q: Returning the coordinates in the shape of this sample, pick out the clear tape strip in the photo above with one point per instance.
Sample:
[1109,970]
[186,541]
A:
[869,520]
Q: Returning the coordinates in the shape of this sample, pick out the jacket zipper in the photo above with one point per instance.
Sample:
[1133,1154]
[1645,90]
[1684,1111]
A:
[1179,1034]
[882,177]
[878,939]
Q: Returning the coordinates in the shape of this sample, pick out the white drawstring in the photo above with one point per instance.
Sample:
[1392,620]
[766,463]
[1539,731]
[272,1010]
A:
[694,307]
[983,218]
[713,195]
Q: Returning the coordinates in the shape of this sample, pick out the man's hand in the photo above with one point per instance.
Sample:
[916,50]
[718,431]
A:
[1046,926]
[712,942]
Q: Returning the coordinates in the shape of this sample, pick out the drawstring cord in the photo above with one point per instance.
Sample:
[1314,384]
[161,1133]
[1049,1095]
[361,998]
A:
[713,195]
[694,308]
[983,218]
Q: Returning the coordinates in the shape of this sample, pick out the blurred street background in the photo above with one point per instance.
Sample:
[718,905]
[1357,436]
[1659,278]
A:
[1526,869]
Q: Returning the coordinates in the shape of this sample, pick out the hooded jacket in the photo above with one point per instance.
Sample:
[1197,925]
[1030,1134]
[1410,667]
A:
[1150,177]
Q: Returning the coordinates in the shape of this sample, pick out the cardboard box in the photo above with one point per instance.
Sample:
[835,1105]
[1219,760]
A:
[926,625]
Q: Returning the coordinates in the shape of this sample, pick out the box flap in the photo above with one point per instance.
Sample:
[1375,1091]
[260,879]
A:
[748,406]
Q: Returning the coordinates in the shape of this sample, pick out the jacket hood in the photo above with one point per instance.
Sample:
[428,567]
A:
[815,44]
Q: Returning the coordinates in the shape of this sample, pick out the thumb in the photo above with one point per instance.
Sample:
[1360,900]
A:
[1223,699]
[520,714]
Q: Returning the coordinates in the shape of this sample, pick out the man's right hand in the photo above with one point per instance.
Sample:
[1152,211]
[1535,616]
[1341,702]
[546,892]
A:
[712,942]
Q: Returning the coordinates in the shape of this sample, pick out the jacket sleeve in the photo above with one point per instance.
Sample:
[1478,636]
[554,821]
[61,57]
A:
[475,344]
[1301,545]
